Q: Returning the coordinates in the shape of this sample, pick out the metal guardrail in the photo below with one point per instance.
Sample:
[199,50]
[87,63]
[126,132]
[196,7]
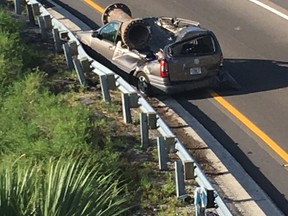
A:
[186,168]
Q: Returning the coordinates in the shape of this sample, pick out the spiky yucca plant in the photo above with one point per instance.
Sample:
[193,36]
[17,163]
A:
[62,187]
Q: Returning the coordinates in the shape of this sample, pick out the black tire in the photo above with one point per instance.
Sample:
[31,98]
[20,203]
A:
[143,83]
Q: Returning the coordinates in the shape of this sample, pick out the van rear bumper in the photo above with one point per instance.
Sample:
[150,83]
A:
[164,85]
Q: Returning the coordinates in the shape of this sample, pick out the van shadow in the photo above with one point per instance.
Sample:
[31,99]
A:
[248,76]
[255,75]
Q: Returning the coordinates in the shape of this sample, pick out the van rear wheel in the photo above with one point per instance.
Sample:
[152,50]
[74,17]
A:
[143,84]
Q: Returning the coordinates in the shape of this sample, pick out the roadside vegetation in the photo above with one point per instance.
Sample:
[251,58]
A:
[63,151]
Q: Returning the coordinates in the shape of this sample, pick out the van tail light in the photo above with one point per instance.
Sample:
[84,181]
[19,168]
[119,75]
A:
[164,72]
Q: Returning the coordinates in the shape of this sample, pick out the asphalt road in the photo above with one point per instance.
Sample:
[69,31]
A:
[255,44]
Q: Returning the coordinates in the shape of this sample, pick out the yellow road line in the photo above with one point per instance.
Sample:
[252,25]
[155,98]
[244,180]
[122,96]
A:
[95,5]
[261,134]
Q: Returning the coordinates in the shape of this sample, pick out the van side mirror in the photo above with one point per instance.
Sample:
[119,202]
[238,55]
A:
[96,34]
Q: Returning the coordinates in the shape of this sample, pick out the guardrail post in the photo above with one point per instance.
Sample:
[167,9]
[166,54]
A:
[162,153]
[70,50]
[17,4]
[35,10]
[57,41]
[170,140]
[68,56]
[179,180]
[45,25]
[79,71]
[126,108]
[111,81]
[200,201]
[104,88]
[189,169]
[144,130]
[41,24]
[211,195]
[30,14]
[133,100]
[86,66]
[73,48]
[152,120]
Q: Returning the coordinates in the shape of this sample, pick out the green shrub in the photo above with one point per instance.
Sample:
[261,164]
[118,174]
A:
[7,23]
[11,62]
[15,55]
[38,123]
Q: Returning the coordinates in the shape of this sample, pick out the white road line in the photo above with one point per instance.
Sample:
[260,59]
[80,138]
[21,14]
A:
[284,16]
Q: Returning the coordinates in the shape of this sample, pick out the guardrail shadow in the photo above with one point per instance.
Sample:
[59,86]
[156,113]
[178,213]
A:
[76,13]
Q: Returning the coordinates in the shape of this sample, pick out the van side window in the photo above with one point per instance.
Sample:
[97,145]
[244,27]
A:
[110,32]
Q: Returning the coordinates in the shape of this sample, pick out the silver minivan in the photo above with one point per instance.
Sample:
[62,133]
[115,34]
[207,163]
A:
[165,53]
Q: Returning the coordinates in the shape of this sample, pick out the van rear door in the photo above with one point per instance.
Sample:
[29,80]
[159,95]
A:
[193,59]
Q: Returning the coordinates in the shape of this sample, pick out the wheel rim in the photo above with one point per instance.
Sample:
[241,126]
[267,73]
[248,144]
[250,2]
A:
[142,84]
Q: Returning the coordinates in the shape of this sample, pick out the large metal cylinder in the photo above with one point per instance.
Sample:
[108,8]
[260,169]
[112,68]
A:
[135,33]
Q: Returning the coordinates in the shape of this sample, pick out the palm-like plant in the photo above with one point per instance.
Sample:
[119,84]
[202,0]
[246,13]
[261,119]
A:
[62,187]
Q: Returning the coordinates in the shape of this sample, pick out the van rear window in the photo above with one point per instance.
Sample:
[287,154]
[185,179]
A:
[200,46]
